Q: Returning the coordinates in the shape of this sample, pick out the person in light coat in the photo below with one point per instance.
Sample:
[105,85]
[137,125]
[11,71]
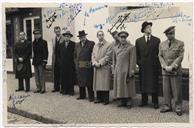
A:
[101,61]
[124,70]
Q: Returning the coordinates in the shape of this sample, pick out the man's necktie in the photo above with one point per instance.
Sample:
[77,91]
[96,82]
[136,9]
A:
[170,42]
[148,39]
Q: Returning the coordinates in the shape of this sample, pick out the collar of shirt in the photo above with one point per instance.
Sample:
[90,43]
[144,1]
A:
[146,37]
[58,38]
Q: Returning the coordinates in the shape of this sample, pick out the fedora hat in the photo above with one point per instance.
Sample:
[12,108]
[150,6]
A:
[144,25]
[67,33]
[82,33]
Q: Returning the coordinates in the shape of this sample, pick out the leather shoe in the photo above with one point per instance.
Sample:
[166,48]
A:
[80,98]
[106,103]
[143,104]
[37,91]
[91,100]
[179,113]
[97,101]
[165,109]
[42,92]
[156,106]
[19,90]
[54,90]
[122,105]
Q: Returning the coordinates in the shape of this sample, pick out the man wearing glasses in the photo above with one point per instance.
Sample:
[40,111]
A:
[171,54]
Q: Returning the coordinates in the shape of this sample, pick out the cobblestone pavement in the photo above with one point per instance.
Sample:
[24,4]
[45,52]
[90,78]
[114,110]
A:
[16,119]
[69,110]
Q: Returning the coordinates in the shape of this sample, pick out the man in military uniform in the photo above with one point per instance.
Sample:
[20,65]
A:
[171,54]
[40,57]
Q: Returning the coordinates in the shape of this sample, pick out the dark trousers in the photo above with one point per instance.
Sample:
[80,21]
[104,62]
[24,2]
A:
[103,96]
[21,83]
[56,78]
[145,98]
[83,92]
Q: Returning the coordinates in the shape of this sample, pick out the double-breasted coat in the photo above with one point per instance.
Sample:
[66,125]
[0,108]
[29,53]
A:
[84,69]
[125,65]
[148,62]
[24,51]
[102,53]
[40,52]
[67,64]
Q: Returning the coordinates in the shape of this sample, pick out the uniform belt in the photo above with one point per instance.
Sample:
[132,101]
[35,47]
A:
[84,64]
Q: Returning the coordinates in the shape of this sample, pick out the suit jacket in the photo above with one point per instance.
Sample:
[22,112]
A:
[40,52]
[171,56]
[55,45]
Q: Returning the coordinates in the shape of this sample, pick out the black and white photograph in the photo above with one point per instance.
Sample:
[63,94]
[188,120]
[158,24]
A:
[90,63]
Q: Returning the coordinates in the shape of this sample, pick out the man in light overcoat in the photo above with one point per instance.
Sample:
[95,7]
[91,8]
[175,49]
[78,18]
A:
[124,70]
[101,61]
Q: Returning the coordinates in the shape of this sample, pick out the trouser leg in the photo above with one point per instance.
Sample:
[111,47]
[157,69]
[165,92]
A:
[105,96]
[37,77]
[90,92]
[42,77]
[20,84]
[144,98]
[155,98]
[167,90]
[56,78]
[27,82]
[176,84]
[99,95]
[82,91]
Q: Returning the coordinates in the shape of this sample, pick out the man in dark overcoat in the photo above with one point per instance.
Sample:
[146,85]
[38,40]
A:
[67,64]
[83,65]
[55,60]
[147,48]
[40,56]
[22,52]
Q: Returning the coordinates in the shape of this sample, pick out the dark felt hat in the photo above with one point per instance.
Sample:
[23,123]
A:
[114,33]
[82,33]
[144,25]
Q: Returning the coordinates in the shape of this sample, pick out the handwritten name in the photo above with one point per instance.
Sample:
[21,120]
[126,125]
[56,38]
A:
[17,99]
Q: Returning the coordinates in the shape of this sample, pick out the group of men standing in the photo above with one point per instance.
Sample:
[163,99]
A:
[103,66]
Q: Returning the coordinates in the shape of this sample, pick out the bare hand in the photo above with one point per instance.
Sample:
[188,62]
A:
[20,59]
